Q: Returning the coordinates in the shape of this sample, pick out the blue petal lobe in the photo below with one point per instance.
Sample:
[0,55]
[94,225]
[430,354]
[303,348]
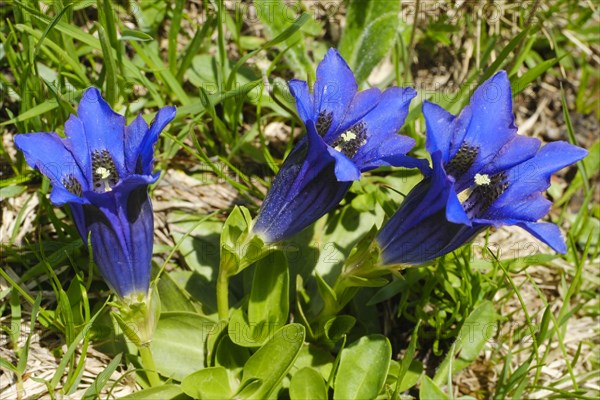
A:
[345,170]
[304,99]
[47,152]
[134,135]
[530,208]
[383,143]
[362,105]
[438,124]
[59,196]
[454,210]
[104,128]
[534,174]
[146,149]
[515,152]
[547,233]
[334,88]
[492,122]
[77,144]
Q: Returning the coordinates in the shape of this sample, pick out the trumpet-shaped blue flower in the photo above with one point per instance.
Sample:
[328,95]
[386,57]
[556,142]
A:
[347,132]
[102,169]
[484,174]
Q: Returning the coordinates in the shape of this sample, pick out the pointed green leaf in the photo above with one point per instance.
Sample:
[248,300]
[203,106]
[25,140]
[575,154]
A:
[273,360]
[363,368]
[128,34]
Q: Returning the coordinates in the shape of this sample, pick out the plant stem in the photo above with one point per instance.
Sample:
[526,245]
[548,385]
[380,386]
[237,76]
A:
[223,294]
[149,366]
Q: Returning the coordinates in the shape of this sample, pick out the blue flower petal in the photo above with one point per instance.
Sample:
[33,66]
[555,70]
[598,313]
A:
[47,152]
[146,149]
[334,88]
[530,208]
[122,228]
[547,233]
[492,120]
[76,143]
[134,135]
[515,152]
[534,174]
[363,104]
[59,196]
[104,128]
[454,210]
[345,170]
[383,144]
[304,99]
[438,123]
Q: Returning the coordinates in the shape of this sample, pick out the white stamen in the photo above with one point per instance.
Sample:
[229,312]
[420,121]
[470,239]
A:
[348,136]
[103,172]
[104,175]
[482,179]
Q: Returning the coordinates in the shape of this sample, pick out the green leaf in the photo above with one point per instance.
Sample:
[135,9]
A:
[470,341]
[208,383]
[164,392]
[370,32]
[175,357]
[521,84]
[269,299]
[430,390]
[363,368]
[138,36]
[307,384]
[503,56]
[273,360]
[110,66]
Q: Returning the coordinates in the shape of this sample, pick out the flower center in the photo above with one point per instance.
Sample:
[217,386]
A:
[478,198]
[104,172]
[352,140]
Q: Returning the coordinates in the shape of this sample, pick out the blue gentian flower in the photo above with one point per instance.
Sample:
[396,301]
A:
[102,169]
[484,174]
[347,132]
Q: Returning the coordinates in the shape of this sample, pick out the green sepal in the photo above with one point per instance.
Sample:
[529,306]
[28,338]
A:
[240,248]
